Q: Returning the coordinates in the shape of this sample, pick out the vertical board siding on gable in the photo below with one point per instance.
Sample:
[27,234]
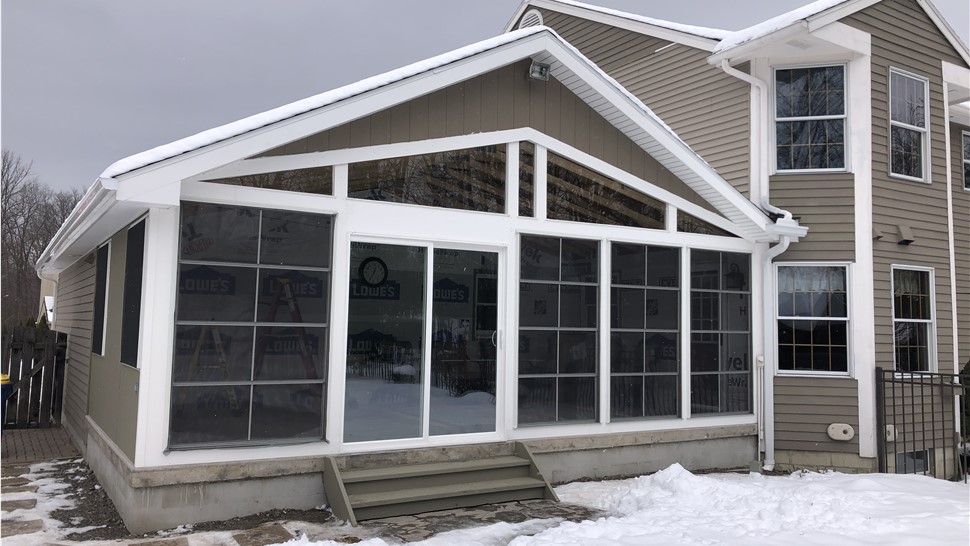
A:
[904,37]
[74,312]
[824,203]
[801,423]
[499,100]
[707,108]
[961,237]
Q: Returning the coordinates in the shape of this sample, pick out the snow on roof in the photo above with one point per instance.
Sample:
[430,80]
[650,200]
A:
[704,32]
[764,28]
[292,109]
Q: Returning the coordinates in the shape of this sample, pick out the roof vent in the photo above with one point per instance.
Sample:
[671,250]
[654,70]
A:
[532,18]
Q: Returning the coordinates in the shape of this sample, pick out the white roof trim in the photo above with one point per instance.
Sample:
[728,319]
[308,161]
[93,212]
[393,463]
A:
[169,164]
[703,38]
[814,16]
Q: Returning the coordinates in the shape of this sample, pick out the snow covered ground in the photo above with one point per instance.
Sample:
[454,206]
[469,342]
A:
[670,507]
[676,507]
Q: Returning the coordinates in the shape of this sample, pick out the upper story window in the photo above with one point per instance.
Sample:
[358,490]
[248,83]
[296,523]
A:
[810,118]
[966,160]
[907,125]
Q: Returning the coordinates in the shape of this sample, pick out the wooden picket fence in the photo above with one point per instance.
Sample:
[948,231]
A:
[33,358]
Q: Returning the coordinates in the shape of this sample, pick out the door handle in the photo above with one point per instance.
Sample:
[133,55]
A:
[495,339]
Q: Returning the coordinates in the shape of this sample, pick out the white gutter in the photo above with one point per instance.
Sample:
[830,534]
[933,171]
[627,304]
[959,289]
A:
[759,187]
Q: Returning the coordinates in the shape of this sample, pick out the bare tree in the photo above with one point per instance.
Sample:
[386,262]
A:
[31,214]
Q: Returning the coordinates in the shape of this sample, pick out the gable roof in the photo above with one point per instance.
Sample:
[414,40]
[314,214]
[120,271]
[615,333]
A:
[153,177]
[820,13]
[696,36]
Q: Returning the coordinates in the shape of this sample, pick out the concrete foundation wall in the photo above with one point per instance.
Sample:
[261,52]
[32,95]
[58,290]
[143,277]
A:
[150,499]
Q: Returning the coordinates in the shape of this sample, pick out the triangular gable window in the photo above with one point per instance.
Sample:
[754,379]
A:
[579,194]
[691,224]
[317,180]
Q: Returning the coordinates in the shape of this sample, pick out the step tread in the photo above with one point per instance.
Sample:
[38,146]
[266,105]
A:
[410,471]
[364,500]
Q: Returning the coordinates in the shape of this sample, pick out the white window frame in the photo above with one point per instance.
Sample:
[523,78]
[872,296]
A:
[931,356]
[964,139]
[847,319]
[846,159]
[924,131]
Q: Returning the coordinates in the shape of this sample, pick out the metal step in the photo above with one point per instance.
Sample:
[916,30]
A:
[384,491]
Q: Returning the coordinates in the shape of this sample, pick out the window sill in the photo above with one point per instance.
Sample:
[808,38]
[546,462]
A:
[810,171]
[904,178]
[809,373]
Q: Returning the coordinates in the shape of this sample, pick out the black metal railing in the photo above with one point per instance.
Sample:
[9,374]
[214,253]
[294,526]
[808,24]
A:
[922,423]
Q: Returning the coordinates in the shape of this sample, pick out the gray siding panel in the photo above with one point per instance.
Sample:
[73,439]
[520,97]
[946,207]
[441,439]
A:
[961,235]
[74,312]
[824,203]
[806,406]
[903,37]
[707,108]
[499,100]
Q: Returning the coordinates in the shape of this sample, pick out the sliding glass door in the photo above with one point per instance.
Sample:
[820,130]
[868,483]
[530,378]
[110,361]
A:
[419,367]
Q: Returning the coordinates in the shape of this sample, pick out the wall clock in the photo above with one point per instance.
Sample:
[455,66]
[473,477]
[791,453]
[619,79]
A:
[372,271]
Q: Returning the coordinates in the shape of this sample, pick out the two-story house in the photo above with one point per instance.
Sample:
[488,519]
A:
[598,243]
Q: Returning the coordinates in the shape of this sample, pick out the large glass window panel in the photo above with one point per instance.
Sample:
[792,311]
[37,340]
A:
[662,309]
[288,295]
[539,259]
[213,353]
[628,308]
[527,164]
[317,180]
[290,352]
[469,179]
[812,318]
[626,352]
[131,313]
[463,349]
[582,195]
[287,411]
[293,238]
[557,341]
[628,263]
[626,396]
[662,351]
[228,340]
[663,266]
[383,398]
[216,293]
[217,233]
[209,414]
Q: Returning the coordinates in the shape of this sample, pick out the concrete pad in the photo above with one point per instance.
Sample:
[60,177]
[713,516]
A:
[180,541]
[11,528]
[15,481]
[18,489]
[261,536]
[26,504]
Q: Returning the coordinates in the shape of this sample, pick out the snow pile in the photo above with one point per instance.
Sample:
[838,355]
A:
[676,507]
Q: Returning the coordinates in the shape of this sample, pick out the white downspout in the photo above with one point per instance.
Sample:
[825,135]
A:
[759,186]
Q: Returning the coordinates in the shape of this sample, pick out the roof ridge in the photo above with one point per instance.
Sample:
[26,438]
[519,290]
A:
[695,30]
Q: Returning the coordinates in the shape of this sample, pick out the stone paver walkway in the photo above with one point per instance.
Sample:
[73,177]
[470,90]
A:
[30,445]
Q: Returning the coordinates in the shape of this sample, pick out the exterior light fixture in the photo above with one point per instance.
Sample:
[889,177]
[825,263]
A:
[539,71]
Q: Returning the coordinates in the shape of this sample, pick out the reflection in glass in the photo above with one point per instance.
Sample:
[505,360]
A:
[463,354]
[317,180]
[213,353]
[383,397]
[469,179]
[527,163]
[539,258]
[209,414]
[582,195]
[691,224]
[216,233]
[293,296]
[216,293]
[293,238]
[287,411]
[285,352]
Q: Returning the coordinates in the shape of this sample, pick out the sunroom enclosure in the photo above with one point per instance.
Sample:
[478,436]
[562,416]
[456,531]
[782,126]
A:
[460,290]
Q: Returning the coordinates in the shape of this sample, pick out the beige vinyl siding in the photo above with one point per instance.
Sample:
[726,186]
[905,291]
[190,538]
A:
[806,406]
[961,236]
[707,108]
[113,402]
[824,203]
[74,314]
[903,37]
[499,100]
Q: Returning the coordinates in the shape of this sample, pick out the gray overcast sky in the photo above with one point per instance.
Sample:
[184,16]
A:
[88,82]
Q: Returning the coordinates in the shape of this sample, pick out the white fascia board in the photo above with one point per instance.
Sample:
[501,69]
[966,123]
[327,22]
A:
[88,210]
[945,29]
[838,12]
[279,133]
[958,76]
[748,50]
[664,137]
[640,27]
